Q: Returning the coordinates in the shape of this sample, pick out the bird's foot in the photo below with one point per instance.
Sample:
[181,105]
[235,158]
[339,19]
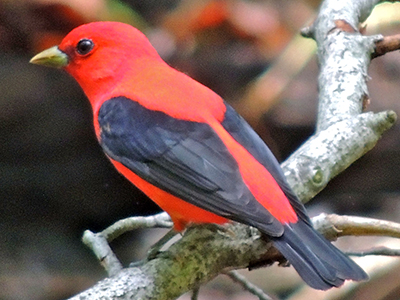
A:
[156,248]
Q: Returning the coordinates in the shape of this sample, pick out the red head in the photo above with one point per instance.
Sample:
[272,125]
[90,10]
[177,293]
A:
[90,55]
[110,59]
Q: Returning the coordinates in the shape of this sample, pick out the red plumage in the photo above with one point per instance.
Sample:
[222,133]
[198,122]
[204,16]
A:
[188,150]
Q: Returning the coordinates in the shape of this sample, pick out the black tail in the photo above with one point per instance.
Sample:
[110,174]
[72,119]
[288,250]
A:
[318,262]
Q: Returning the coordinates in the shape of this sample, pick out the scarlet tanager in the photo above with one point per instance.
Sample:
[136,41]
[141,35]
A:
[187,149]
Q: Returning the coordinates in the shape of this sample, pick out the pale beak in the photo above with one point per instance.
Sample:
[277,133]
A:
[52,57]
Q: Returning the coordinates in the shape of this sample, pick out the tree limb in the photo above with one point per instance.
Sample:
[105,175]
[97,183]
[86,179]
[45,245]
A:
[330,151]
[204,252]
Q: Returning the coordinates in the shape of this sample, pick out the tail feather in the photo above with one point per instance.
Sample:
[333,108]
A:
[318,262]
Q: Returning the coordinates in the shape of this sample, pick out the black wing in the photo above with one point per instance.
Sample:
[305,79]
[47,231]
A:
[317,261]
[189,160]
[186,159]
[241,131]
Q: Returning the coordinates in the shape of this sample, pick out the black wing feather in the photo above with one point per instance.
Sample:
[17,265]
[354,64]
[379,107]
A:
[318,262]
[189,160]
[241,131]
[185,158]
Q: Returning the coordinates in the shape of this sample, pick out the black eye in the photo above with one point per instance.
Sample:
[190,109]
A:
[84,46]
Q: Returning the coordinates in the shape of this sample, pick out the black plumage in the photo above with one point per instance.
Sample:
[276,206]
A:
[190,161]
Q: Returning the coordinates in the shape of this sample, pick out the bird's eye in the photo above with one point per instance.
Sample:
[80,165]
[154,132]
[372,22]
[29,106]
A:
[84,46]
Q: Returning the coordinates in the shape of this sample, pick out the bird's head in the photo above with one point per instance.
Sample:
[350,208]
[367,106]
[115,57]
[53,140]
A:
[97,52]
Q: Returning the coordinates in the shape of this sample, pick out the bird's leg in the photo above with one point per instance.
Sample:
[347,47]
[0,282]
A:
[223,229]
[155,249]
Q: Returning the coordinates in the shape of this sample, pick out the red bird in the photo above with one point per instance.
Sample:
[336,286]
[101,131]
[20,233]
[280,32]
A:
[187,149]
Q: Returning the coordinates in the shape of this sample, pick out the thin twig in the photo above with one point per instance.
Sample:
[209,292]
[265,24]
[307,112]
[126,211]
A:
[161,220]
[98,242]
[248,286]
[386,44]
[382,251]
[333,226]
[100,247]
